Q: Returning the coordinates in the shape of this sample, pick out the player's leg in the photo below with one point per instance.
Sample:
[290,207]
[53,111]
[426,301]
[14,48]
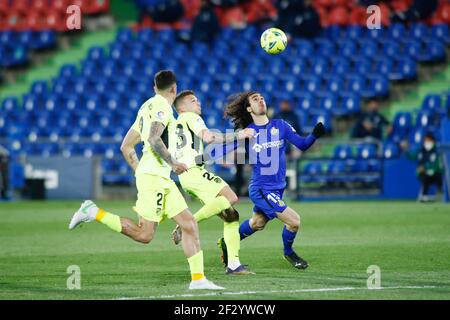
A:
[142,232]
[291,221]
[230,243]
[213,191]
[265,208]
[256,223]
[209,189]
[177,209]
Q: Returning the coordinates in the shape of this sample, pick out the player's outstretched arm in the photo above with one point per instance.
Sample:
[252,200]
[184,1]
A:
[304,143]
[131,139]
[209,136]
[156,130]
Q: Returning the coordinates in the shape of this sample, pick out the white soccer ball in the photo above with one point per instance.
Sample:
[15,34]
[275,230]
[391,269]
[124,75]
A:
[273,41]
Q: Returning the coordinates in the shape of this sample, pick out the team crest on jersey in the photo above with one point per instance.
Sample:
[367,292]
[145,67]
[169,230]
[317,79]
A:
[274,131]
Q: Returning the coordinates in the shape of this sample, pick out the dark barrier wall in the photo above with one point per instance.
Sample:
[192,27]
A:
[66,178]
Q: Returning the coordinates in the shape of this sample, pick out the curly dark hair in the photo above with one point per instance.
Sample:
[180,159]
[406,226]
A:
[236,109]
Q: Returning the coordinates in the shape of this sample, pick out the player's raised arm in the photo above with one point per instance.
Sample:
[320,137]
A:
[132,138]
[156,130]
[209,136]
[304,143]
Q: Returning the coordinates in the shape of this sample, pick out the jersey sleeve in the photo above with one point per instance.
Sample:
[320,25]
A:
[137,125]
[195,123]
[293,137]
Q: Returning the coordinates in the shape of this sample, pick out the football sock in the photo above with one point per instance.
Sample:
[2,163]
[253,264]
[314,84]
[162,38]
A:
[109,219]
[196,266]
[212,208]
[233,242]
[245,230]
[288,240]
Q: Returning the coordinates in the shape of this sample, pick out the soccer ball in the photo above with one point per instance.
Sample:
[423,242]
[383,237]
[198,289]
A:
[273,41]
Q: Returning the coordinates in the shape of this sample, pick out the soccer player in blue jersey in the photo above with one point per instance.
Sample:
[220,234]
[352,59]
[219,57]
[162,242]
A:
[266,151]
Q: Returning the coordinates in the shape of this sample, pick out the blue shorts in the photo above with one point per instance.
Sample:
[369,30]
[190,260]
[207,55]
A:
[268,202]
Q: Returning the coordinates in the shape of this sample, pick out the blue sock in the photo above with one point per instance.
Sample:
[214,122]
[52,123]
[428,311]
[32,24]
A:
[245,230]
[288,240]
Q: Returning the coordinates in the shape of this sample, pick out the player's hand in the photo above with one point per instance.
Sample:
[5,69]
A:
[179,167]
[247,133]
[319,130]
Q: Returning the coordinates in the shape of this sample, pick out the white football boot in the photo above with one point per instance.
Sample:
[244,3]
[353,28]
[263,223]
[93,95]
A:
[203,284]
[86,213]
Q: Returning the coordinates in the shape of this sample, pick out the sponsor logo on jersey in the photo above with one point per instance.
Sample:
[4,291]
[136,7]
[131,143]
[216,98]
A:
[272,144]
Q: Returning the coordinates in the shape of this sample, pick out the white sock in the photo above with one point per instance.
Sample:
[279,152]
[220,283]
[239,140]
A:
[233,264]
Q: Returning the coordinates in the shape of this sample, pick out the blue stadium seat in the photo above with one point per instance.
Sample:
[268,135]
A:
[416,137]
[390,150]
[397,31]
[347,48]
[306,101]
[432,102]
[441,32]
[342,152]
[312,171]
[310,83]
[366,151]
[320,66]
[328,102]
[419,31]
[334,84]
[424,119]
[350,104]
[354,32]
[402,125]
[124,35]
[341,66]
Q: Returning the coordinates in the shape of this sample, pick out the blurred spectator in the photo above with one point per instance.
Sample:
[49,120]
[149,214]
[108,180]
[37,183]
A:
[429,169]
[370,124]
[162,10]
[298,18]
[260,11]
[419,10]
[287,114]
[4,173]
[206,25]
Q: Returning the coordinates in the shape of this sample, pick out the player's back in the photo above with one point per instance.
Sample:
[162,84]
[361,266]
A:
[155,109]
[188,144]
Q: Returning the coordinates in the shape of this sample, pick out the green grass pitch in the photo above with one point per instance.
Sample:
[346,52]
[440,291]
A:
[409,242]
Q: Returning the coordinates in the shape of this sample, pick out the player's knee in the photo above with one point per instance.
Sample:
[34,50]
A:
[189,227]
[230,215]
[294,225]
[258,224]
[145,237]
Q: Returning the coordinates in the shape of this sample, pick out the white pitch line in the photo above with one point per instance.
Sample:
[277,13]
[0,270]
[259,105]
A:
[212,294]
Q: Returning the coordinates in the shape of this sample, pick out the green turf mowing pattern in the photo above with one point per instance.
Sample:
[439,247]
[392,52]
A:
[410,242]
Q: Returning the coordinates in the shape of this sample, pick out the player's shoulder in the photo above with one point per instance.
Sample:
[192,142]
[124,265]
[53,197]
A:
[278,122]
[189,116]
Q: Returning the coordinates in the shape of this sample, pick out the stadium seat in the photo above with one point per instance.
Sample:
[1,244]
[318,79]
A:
[390,150]
[342,152]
